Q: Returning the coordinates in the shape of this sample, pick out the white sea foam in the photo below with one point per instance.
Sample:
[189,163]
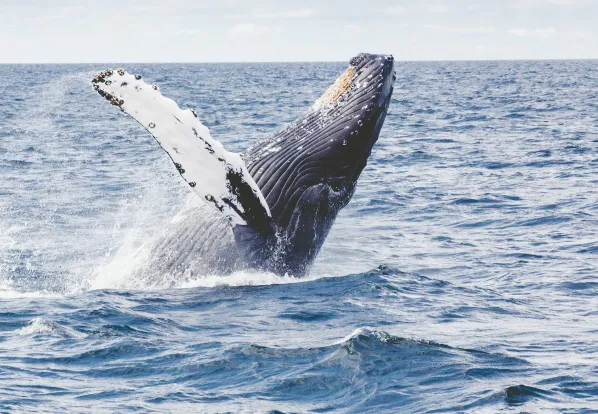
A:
[40,326]
[36,326]
[357,332]
[9,291]
[132,244]
[120,274]
[126,261]
[243,278]
[15,294]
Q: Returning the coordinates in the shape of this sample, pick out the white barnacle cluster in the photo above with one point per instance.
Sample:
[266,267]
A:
[274,144]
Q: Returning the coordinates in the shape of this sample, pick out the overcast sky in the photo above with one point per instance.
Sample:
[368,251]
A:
[301,30]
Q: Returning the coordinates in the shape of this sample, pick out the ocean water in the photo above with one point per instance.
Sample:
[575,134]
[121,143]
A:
[462,277]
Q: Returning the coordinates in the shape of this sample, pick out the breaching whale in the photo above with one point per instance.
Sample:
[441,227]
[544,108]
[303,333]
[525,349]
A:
[275,203]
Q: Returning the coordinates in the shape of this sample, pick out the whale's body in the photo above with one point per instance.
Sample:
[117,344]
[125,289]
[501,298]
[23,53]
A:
[271,208]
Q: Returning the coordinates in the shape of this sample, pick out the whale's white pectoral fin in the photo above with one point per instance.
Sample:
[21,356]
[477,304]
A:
[216,175]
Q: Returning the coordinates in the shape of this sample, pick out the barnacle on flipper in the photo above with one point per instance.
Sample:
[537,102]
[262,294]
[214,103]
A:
[102,78]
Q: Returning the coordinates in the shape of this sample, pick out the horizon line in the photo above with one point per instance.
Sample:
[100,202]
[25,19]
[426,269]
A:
[298,61]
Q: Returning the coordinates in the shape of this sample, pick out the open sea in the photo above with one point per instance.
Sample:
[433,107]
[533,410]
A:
[462,277]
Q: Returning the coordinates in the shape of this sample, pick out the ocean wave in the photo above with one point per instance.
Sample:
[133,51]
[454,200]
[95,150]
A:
[479,199]
[40,326]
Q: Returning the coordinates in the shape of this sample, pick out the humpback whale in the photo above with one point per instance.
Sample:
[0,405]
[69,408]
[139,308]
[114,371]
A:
[271,207]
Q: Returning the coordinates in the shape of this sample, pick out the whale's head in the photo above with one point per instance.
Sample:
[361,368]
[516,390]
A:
[308,171]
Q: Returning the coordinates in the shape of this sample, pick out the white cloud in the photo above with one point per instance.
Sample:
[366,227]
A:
[353,28]
[579,35]
[462,30]
[437,9]
[251,29]
[186,32]
[172,31]
[277,14]
[57,14]
[396,10]
[523,4]
[293,14]
[565,2]
[543,34]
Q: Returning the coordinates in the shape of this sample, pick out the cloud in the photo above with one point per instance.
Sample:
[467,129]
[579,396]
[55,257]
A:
[523,4]
[396,10]
[291,14]
[432,8]
[277,14]
[251,29]
[186,32]
[579,35]
[462,30]
[353,28]
[437,9]
[57,13]
[542,34]
[172,31]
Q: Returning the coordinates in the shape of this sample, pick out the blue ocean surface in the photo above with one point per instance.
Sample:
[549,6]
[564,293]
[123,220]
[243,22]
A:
[462,277]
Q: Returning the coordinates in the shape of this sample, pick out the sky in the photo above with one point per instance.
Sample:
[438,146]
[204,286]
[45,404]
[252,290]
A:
[73,31]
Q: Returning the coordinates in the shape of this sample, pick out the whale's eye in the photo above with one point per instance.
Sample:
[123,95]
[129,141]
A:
[336,186]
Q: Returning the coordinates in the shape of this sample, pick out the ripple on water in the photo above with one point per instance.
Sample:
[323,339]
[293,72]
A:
[479,199]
